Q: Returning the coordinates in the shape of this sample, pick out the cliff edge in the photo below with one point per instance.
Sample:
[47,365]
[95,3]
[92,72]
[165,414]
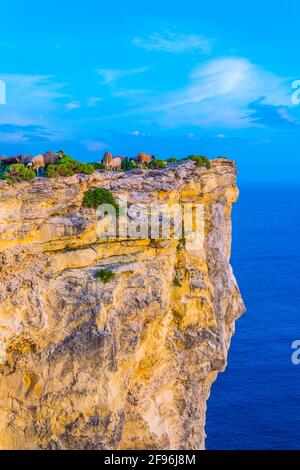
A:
[124,365]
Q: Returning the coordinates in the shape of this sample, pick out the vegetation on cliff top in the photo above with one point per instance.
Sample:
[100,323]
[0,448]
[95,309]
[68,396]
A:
[16,173]
[68,166]
[157,164]
[200,161]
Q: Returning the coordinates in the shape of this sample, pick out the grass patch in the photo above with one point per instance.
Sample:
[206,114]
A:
[128,165]
[96,197]
[97,165]
[200,160]
[105,276]
[157,164]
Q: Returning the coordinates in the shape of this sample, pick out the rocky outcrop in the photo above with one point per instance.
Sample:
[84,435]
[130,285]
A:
[123,365]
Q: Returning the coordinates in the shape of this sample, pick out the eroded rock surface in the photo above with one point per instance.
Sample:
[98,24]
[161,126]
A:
[123,365]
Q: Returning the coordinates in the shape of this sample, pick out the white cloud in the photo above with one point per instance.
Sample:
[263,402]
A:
[112,75]
[94,145]
[137,133]
[227,92]
[92,101]
[13,137]
[192,136]
[29,97]
[219,93]
[30,109]
[284,114]
[73,105]
[175,42]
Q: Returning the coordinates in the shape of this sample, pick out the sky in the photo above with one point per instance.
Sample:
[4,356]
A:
[169,78]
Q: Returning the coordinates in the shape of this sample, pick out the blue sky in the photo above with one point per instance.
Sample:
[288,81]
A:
[170,78]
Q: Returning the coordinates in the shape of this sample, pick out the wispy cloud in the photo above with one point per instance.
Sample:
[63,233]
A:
[93,101]
[31,106]
[90,102]
[192,136]
[175,42]
[30,96]
[73,105]
[275,116]
[224,93]
[10,133]
[137,133]
[221,92]
[94,145]
[112,75]
[130,92]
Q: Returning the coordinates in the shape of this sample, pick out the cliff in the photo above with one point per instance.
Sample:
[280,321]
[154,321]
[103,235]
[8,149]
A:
[123,365]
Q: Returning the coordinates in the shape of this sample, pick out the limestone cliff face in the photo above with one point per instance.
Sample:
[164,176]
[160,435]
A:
[123,365]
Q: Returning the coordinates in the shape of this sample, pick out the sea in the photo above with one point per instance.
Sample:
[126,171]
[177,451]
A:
[255,403]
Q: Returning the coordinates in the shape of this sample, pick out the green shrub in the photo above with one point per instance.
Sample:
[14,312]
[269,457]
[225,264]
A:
[95,197]
[105,275]
[86,169]
[54,171]
[128,165]
[3,169]
[18,172]
[157,164]
[172,160]
[68,166]
[200,160]
[97,165]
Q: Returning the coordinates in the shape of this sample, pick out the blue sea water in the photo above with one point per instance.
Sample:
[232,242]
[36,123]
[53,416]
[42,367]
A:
[255,403]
